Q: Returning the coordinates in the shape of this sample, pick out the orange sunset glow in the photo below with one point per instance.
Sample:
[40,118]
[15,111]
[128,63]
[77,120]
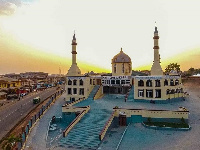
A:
[36,35]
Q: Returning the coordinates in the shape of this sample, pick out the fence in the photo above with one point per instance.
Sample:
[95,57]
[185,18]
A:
[26,129]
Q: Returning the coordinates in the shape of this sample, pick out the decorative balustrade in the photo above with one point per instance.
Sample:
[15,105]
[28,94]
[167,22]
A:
[99,93]
[74,102]
[107,125]
[75,121]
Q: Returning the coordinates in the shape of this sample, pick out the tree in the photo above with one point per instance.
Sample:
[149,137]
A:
[172,66]
[10,142]
[190,71]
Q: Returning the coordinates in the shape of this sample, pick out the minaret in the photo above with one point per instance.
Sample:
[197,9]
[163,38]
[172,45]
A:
[74,49]
[156,68]
[74,69]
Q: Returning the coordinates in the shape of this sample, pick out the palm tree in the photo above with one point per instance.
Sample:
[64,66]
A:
[10,142]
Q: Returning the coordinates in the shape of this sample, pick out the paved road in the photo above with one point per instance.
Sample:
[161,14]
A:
[10,116]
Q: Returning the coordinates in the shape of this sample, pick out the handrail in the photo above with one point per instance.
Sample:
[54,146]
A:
[74,102]
[121,138]
[150,109]
[75,121]
[96,91]
[105,128]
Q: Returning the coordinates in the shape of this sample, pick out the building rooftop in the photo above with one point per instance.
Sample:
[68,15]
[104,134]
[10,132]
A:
[121,57]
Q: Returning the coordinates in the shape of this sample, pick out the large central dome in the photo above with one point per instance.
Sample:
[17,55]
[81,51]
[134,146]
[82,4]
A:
[121,57]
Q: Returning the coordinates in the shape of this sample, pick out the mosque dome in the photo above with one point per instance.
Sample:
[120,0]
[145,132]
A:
[121,57]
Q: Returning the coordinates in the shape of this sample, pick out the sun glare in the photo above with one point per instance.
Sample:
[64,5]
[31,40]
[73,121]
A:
[36,26]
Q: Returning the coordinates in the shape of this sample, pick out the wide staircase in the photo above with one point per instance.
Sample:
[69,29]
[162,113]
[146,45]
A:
[93,92]
[131,94]
[85,134]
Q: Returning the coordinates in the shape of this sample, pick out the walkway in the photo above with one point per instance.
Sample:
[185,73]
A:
[85,134]
[37,137]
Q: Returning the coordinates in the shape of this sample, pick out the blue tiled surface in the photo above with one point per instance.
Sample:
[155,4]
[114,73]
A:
[136,137]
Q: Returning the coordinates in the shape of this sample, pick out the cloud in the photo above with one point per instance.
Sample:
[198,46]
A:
[8,7]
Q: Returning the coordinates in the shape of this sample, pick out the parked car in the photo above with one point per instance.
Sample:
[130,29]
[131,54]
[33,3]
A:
[12,96]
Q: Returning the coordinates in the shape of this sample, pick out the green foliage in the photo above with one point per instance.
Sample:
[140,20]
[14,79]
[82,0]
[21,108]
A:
[168,124]
[172,66]
[149,119]
[10,142]
[193,71]
[182,120]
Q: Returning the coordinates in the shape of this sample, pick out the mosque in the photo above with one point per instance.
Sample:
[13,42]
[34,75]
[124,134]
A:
[156,87]
[118,95]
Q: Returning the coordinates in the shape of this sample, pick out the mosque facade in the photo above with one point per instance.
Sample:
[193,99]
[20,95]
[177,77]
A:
[157,86]
[121,80]
[77,85]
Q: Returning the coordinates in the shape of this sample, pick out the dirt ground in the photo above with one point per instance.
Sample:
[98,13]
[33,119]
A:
[192,87]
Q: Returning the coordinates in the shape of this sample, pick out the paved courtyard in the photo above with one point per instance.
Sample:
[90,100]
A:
[136,137]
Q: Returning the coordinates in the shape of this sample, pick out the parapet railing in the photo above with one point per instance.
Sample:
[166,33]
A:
[99,90]
[127,94]
[75,121]
[107,125]
[121,138]
[74,102]
[96,92]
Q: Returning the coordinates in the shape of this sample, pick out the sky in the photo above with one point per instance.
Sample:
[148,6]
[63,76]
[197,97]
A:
[35,35]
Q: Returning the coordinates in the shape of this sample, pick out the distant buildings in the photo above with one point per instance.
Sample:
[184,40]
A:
[23,83]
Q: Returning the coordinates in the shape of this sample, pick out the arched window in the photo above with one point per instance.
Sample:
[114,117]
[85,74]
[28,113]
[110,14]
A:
[171,82]
[165,82]
[81,82]
[149,83]
[176,82]
[69,82]
[157,83]
[122,68]
[115,68]
[141,83]
[172,91]
[74,82]
[168,91]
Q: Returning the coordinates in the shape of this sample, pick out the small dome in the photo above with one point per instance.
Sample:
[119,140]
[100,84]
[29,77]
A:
[121,57]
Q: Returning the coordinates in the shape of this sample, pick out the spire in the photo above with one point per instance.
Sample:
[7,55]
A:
[121,50]
[74,37]
[156,31]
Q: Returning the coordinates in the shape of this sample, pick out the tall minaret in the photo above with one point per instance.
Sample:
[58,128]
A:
[74,69]
[156,68]
[74,49]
